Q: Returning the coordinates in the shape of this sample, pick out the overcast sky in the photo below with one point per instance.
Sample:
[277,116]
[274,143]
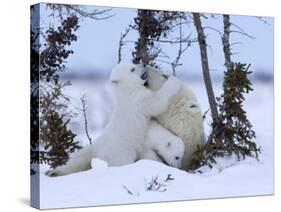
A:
[97,44]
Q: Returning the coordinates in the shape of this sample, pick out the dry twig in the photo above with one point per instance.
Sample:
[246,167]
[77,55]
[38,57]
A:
[83,100]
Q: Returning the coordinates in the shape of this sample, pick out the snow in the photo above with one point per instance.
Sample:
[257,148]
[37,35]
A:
[103,185]
[106,186]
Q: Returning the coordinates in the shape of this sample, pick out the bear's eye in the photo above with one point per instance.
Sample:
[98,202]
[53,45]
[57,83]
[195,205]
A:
[133,69]
[193,106]
[177,157]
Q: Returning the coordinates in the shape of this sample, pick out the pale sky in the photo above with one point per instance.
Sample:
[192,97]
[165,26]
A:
[97,44]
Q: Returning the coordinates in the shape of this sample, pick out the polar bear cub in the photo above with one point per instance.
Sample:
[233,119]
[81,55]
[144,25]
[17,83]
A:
[183,116]
[163,146]
[122,140]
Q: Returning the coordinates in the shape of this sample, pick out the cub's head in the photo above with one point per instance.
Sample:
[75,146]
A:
[156,78]
[129,75]
[171,152]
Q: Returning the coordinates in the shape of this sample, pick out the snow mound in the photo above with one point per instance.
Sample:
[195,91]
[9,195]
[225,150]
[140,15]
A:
[99,166]
[146,181]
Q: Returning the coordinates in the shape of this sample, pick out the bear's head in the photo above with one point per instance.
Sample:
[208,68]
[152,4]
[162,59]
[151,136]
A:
[171,152]
[129,75]
[156,78]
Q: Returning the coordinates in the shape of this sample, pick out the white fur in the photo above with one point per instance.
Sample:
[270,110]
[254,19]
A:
[79,161]
[161,144]
[122,139]
[183,116]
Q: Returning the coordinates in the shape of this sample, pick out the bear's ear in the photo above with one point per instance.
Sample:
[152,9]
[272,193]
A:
[168,144]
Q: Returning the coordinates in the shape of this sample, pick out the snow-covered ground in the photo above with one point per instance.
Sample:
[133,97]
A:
[104,185]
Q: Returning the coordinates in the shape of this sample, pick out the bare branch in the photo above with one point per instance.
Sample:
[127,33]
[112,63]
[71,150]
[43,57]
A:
[241,31]
[262,20]
[155,52]
[83,100]
[163,61]
[187,40]
[236,43]
[162,54]
[205,66]
[226,43]
[68,9]
[121,43]
[214,29]
[203,15]
[181,50]
[176,25]
[128,191]
[234,53]
[93,14]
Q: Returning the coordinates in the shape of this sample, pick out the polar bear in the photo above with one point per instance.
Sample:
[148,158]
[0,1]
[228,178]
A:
[122,140]
[163,146]
[183,116]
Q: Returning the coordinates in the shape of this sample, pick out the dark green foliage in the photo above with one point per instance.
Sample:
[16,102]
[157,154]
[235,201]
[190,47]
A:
[56,140]
[34,94]
[55,136]
[233,128]
[52,58]
[238,133]
[151,26]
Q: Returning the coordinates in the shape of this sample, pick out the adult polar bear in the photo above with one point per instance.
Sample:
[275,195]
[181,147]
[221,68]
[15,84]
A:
[183,116]
[122,141]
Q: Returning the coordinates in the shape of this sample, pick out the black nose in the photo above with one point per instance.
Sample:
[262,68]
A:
[144,76]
